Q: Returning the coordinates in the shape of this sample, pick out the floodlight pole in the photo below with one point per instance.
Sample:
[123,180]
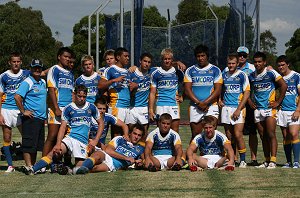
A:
[97,33]
[217,33]
[132,34]
[258,25]
[121,23]
[244,23]
[90,27]
[169,29]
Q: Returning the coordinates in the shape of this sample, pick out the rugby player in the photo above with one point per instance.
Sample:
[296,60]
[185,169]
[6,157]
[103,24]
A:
[202,85]
[235,93]
[163,146]
[289,112]
[212,145]
[263,82]
[78,116]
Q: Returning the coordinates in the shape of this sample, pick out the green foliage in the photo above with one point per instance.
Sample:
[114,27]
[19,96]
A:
[23,30]
[191,10]
[293,51]
[268,42]
[153,18]
[80,39]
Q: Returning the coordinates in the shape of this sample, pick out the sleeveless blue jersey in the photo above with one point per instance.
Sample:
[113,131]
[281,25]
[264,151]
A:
[213,146]
[127,149]
[166,84]
[291,98]
[234,86]
[119,91]
[63,82]
[108,120]
[203,80]
[34,96]
[9,84]
[263,86]
[80,119]
[163,145]
[91,83]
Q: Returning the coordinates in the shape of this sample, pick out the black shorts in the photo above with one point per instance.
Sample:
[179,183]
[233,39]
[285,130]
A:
[33,134]
[249,127]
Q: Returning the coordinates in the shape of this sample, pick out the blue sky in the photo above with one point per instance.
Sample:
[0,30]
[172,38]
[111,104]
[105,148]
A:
[281,17]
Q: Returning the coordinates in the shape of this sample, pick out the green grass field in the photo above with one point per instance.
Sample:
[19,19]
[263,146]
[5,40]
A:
[249,182]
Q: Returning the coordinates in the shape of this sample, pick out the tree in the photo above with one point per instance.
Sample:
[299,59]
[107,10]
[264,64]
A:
[268,42]
[23,30]
[293,51]
[268,46]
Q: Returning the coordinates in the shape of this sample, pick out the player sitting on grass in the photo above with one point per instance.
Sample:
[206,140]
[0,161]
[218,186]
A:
[163,146]
[78,115]
[211,144]
[119,153]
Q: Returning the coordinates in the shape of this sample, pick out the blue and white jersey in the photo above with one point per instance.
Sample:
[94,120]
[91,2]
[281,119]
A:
[234,86]
[63,82]
[127,149]
[213,146]
[166,84]
[163,145]
[91,83]
[34,94]
[80,119]
[203,80]
[263,86]
[119,93]
[142,93]
[247,69]
[108,120]
[9,84]
[101,70]
[291,98]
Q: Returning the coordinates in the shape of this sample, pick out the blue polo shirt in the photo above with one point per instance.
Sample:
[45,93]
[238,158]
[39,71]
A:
[34,94]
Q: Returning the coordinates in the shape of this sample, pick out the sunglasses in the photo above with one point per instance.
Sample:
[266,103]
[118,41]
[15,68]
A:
[243,55]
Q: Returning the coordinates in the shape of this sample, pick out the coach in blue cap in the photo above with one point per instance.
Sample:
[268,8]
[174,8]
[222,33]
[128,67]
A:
[31,100]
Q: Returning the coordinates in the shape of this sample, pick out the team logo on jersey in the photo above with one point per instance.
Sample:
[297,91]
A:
[82,151]
[210,71]
[89,111]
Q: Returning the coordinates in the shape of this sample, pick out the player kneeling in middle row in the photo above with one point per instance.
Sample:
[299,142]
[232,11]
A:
[211,144]
[119,153]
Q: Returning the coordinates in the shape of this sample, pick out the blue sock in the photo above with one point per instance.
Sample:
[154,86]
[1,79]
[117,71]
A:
[45,161]
[242,153]
[89,163]
[7,154]
[288,151]
[296,149]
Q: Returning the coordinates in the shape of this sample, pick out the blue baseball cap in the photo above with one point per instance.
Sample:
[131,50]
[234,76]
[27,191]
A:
[242,49]
[36,63]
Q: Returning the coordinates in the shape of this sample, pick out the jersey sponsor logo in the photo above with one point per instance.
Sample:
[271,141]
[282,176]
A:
[12,88]
[65,83]
[92,91]
[203,80]
[167,84]
[261,87]
[291,90]
[125,152]
[144,86]
[80,120]
[232,88]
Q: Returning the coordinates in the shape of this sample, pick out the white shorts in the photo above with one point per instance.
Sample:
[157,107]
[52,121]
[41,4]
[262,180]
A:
[196,114]
[285,118]
[163,160]
[75,147]
[12,117]
[52,118]
[226,115]
[109,162]
[139,115]
[262,114]
[212,160]
[121,113]
[174,111]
